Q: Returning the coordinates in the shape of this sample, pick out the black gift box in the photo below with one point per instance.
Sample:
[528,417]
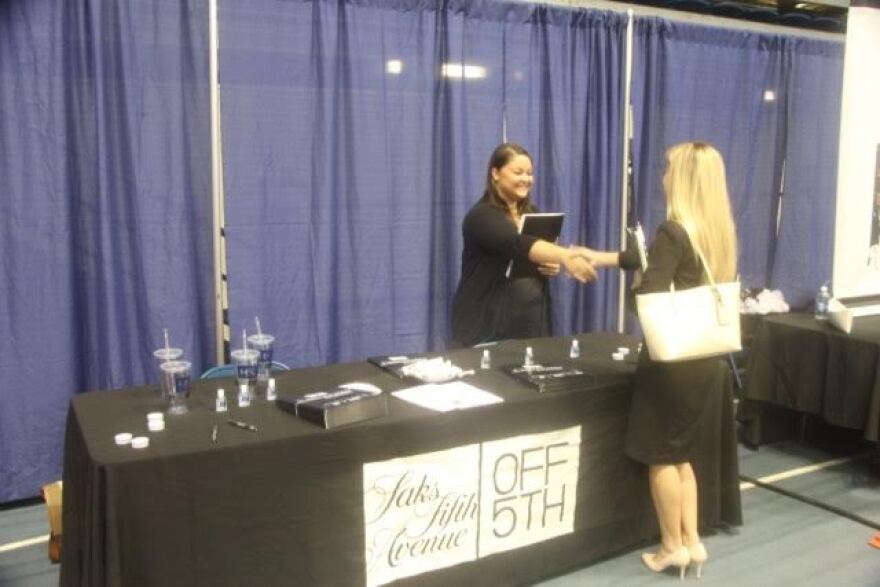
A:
[335,408]
[553,378]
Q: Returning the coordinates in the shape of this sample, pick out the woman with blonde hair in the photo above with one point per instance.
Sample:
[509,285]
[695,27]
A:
[669,399]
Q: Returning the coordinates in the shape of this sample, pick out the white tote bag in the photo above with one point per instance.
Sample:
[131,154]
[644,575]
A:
[691,323]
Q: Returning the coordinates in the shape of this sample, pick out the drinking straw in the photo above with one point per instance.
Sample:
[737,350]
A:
[259,330]
[167,343]
[244,338]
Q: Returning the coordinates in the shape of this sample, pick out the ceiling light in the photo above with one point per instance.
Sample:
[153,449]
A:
[394,66]
[463,71]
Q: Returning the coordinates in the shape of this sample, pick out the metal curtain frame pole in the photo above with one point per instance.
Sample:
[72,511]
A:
[627,139]
[219,239]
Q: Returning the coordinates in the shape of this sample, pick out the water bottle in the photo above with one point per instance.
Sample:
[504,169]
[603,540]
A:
[822,300]
[486,360]
[575,351]
[244,396]
[220,404]
[529,358]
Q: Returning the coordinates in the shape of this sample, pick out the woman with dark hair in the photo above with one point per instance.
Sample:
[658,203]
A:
[488,306]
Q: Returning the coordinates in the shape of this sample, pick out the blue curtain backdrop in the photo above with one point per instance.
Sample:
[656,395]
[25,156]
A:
[761,99]
[563,96]
[805,248]
[350,159]
[105,213]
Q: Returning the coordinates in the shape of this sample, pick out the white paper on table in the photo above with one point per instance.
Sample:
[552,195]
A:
[445,397]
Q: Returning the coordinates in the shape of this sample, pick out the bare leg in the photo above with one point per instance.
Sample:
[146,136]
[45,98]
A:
[666,492]
[689,528]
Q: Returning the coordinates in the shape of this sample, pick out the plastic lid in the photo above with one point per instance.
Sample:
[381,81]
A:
[261,339]
[123,438]
[155,416]
[618,356]
[168,354]
[623,349]
[176,366]
[245,355]
[140,442]
[156,425]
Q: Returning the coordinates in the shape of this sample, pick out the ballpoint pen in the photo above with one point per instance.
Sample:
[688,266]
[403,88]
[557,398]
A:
[242,425]
[214,434]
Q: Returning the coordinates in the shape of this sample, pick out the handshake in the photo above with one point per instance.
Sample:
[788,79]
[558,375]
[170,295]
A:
[581,263]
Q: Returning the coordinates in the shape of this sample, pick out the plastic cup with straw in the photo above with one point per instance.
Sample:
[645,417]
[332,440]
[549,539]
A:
[176,379]
[165,354]
[245,360]
[263,343]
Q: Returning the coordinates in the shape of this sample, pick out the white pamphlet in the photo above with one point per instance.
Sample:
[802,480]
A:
[445,397]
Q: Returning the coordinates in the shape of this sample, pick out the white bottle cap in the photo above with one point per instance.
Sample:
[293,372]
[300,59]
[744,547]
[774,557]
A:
[155,416]
[623,349]
[123,438]
[156,425]
[618,356]
[140,442]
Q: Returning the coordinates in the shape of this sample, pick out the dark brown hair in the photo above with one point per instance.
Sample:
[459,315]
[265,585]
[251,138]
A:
[501,156]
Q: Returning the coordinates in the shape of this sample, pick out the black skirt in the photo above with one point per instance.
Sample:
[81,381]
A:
[669,407]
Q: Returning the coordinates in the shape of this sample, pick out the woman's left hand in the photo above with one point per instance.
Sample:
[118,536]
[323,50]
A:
[548,269]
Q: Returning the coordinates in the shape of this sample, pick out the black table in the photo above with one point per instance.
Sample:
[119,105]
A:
[799,366]
[284,506]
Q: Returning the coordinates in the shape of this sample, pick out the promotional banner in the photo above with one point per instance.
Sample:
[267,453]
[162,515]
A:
[435,510]
[857,224]
[420,513]
[528,489]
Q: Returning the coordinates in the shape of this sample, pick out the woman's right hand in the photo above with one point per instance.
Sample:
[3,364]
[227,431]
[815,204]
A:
[579,267]
[597,258]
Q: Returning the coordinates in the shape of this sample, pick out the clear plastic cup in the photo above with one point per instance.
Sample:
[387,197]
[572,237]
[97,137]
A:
[263,344]
[163,355]
[246,361]
[176,377]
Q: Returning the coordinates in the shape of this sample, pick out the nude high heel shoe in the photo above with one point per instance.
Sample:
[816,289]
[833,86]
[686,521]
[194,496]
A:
[698,556]
[662,560]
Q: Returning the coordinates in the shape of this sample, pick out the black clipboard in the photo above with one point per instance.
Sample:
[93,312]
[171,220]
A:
[544,225]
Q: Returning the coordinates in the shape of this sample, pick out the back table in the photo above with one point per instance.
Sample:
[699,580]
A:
[285,505]
[798,366]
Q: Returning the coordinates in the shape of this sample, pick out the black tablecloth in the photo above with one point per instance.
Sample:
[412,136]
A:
[284,506]
[799,364]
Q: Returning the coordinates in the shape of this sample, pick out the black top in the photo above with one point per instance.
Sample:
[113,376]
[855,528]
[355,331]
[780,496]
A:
[671,259]
[669,400]
[487,306]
